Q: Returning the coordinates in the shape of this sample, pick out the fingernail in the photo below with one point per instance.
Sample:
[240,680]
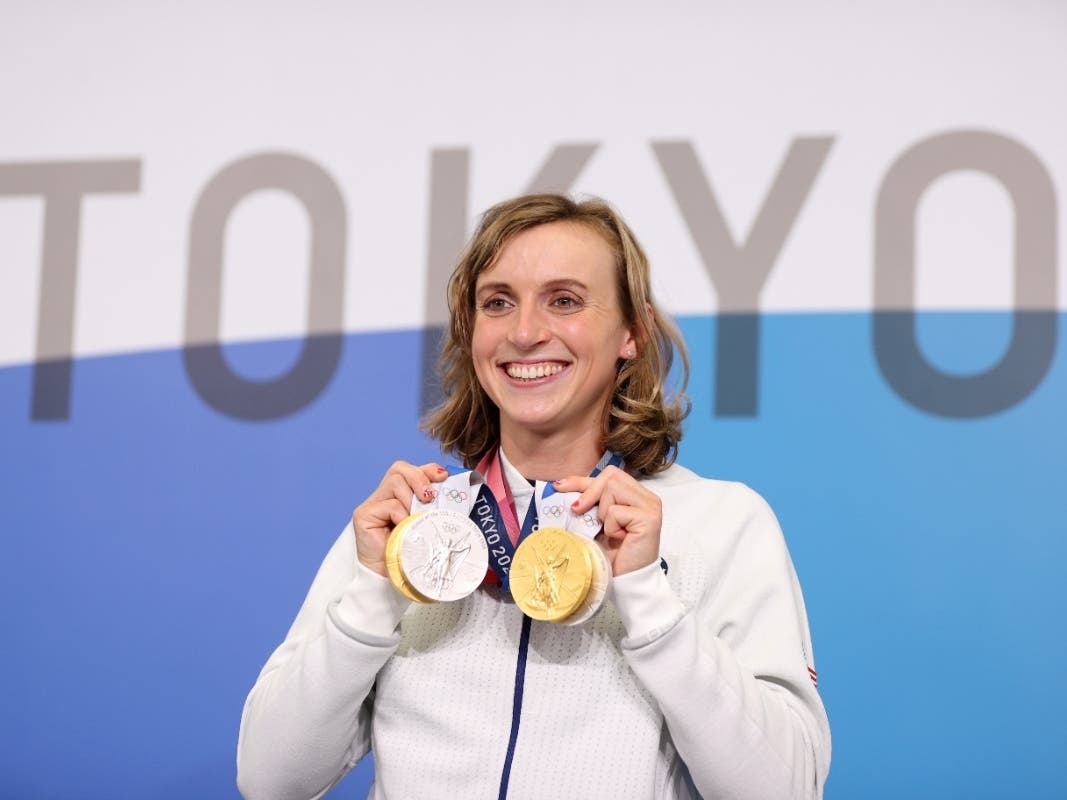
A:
[557,482]
[428,493]
[442,471]
[574,504]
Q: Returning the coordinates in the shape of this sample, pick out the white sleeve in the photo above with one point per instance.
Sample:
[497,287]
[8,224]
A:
[306,721]
[731,674]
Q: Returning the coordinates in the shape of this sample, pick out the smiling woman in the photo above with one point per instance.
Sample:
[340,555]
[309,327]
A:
[585,283]
[640,633]
[548,336]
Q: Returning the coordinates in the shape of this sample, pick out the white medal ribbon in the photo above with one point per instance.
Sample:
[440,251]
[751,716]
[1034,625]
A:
[557,511]
[455,493]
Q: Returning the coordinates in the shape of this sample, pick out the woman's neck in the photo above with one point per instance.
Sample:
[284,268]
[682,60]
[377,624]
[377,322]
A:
[554,456]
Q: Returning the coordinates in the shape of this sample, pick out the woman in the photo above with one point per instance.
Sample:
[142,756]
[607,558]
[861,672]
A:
[695,679]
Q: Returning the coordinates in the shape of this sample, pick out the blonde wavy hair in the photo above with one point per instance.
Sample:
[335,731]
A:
[641,423]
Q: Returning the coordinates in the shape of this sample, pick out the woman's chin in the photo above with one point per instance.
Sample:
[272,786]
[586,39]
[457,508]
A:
[530,422]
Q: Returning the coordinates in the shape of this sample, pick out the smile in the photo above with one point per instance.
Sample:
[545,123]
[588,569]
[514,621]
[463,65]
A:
[531,372]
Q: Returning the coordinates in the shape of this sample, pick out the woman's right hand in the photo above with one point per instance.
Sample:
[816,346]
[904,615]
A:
[389,504]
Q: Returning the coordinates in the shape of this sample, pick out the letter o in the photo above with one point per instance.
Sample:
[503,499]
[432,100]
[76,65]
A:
[204,361]
[1033,340]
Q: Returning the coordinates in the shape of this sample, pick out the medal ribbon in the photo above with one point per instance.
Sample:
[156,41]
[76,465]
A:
[557,510]
[455,493]
[499,521]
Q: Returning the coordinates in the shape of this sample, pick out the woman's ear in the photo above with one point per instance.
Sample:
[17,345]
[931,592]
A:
[633,344]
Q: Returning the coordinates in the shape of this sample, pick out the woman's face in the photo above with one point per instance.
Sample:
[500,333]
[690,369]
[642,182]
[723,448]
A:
[548,330]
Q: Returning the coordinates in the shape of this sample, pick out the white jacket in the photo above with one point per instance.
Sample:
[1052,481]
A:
[690,683]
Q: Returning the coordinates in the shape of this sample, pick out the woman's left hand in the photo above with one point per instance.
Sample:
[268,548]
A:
[632,516]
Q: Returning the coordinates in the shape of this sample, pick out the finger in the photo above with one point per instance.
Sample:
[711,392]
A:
[380,516]
[610,486]
[397,486]
[434,472]
[609,546]
[373,522]
[589,491]
[421,480]
[573,483]
[398,512]
[404,481]
[623,520]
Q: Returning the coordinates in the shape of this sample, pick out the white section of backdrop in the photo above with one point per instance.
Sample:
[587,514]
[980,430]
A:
[368,91]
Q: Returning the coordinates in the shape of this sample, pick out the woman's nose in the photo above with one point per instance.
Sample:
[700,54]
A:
[529,327]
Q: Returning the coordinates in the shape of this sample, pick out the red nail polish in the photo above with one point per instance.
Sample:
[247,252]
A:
[574,504]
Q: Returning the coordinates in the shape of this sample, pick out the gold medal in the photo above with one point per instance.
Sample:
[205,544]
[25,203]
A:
[551,574]
[598,588]
[392,562]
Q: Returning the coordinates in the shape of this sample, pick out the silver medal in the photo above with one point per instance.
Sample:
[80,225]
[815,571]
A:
[444,555]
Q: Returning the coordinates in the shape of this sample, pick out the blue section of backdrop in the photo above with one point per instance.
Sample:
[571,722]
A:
[156,551]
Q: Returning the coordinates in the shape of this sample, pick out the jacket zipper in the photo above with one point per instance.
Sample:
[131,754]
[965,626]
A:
[516,704]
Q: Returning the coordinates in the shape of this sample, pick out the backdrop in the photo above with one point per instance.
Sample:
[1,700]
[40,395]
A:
[224,233]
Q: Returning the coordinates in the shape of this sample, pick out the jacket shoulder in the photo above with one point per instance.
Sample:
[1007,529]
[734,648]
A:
[678,480]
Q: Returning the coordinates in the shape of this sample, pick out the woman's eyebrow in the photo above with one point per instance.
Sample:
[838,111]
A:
[555,283]
[489,288]
[565,283]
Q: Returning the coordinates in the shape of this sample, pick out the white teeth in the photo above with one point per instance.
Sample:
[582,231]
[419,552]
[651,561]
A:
[529,372]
